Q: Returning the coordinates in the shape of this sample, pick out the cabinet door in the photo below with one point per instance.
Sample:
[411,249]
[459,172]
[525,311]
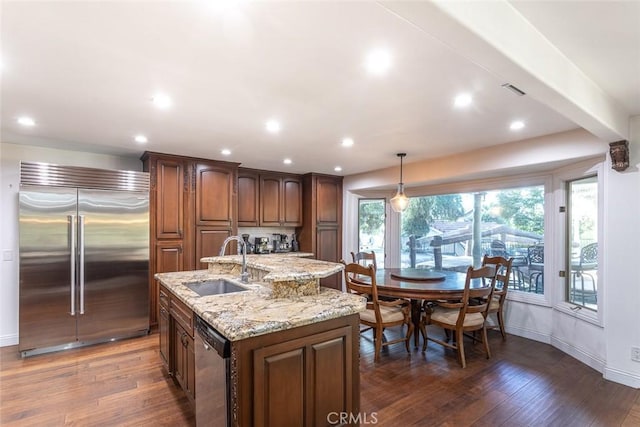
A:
[190,371]
[328,249]
[169,257]
[169,209]
[329,197]
[214,195]
[270,201]
[164,336]
[208,243]
[180,355]
[292,201]
[248,199]
[300,382]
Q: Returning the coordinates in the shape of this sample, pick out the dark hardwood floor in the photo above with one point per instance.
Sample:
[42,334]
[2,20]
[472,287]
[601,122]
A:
[525,383]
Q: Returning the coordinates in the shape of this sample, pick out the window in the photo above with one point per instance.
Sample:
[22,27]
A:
[371,219]
[582,242]
[453,231]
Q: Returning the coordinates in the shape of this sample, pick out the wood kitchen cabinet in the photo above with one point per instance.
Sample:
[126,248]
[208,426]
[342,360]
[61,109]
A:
[168,220]
[280,200]
[192,209]
[177,341]
[248,198]
[215,197]
[169,185]
[164,329]
[299,376]
[184,362]
[208,243]
[269,199]
[215,207]
[321,232]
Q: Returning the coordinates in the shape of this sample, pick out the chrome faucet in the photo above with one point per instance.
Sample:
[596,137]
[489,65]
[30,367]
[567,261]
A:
[244,276]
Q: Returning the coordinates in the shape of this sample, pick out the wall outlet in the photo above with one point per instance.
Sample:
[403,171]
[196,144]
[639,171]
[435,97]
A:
[635,354]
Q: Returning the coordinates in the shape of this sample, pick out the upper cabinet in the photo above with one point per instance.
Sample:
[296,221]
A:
[248,198]
[215,194]
[168,185]
[269,199]
[328,199]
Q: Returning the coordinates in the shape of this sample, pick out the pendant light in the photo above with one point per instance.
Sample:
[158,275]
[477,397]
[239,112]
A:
[400,201]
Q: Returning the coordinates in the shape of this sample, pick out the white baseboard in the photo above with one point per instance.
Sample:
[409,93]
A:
[529,334]
[588,359]
[7,340]
[626,378]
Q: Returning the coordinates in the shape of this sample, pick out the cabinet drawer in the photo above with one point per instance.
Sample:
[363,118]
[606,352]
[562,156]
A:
[182,314]
[164,298]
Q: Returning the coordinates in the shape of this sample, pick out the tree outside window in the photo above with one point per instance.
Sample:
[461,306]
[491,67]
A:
[511,224]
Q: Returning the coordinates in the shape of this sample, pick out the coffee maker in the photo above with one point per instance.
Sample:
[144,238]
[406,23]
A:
[247,244]
[261,245]
[280,243]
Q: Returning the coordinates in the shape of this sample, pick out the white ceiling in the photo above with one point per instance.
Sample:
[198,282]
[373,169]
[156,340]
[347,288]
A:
[86,71]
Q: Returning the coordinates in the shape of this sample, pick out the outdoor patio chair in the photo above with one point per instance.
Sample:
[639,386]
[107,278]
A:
[586,266]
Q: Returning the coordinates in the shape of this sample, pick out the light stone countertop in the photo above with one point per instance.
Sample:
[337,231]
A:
[280,267]
[256,311]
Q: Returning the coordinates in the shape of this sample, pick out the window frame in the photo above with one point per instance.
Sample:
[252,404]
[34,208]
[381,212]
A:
[560,300]
[554,226]
[500,183]
[385,203]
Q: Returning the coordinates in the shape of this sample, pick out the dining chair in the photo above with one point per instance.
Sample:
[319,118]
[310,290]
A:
[461,316]
[379,314]
[503,274]
[587,264]
[498,248]
[365,258]
[535,257]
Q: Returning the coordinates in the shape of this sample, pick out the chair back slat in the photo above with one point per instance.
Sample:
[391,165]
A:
[361,280]
[365,258]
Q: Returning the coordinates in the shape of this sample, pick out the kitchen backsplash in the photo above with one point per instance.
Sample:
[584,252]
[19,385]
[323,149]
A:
[267,232]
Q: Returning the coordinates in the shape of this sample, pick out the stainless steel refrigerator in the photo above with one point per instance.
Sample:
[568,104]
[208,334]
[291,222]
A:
[84,256]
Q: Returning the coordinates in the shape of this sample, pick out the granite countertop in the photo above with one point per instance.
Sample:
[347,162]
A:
[256,311]
[281,266]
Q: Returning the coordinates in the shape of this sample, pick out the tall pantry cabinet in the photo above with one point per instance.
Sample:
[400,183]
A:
[192,210]
[321,232]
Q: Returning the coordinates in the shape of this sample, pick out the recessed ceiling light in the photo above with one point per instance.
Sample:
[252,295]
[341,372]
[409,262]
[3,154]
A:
[347,142]
[378,61]
[26,121]
[272,126]
[162,101]
[225,152]
[141,139]
[287,161]
[337,169]
[516,125]
[462,100]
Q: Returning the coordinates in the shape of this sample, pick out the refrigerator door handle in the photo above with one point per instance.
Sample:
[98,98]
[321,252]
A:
[81,274]
[72,261]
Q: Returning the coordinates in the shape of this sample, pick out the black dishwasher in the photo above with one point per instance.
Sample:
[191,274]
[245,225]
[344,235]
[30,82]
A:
[213,403]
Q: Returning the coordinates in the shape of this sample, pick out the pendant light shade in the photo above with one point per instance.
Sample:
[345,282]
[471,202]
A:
[400,201]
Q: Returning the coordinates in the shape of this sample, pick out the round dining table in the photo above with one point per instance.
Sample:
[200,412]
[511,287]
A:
[420,284]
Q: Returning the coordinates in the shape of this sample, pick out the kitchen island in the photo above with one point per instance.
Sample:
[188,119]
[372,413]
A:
[294,355]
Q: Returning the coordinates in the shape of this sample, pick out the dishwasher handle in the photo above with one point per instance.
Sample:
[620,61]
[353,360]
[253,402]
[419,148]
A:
[212,338]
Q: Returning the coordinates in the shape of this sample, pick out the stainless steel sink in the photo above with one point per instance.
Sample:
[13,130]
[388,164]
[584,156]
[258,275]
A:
[214,287]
